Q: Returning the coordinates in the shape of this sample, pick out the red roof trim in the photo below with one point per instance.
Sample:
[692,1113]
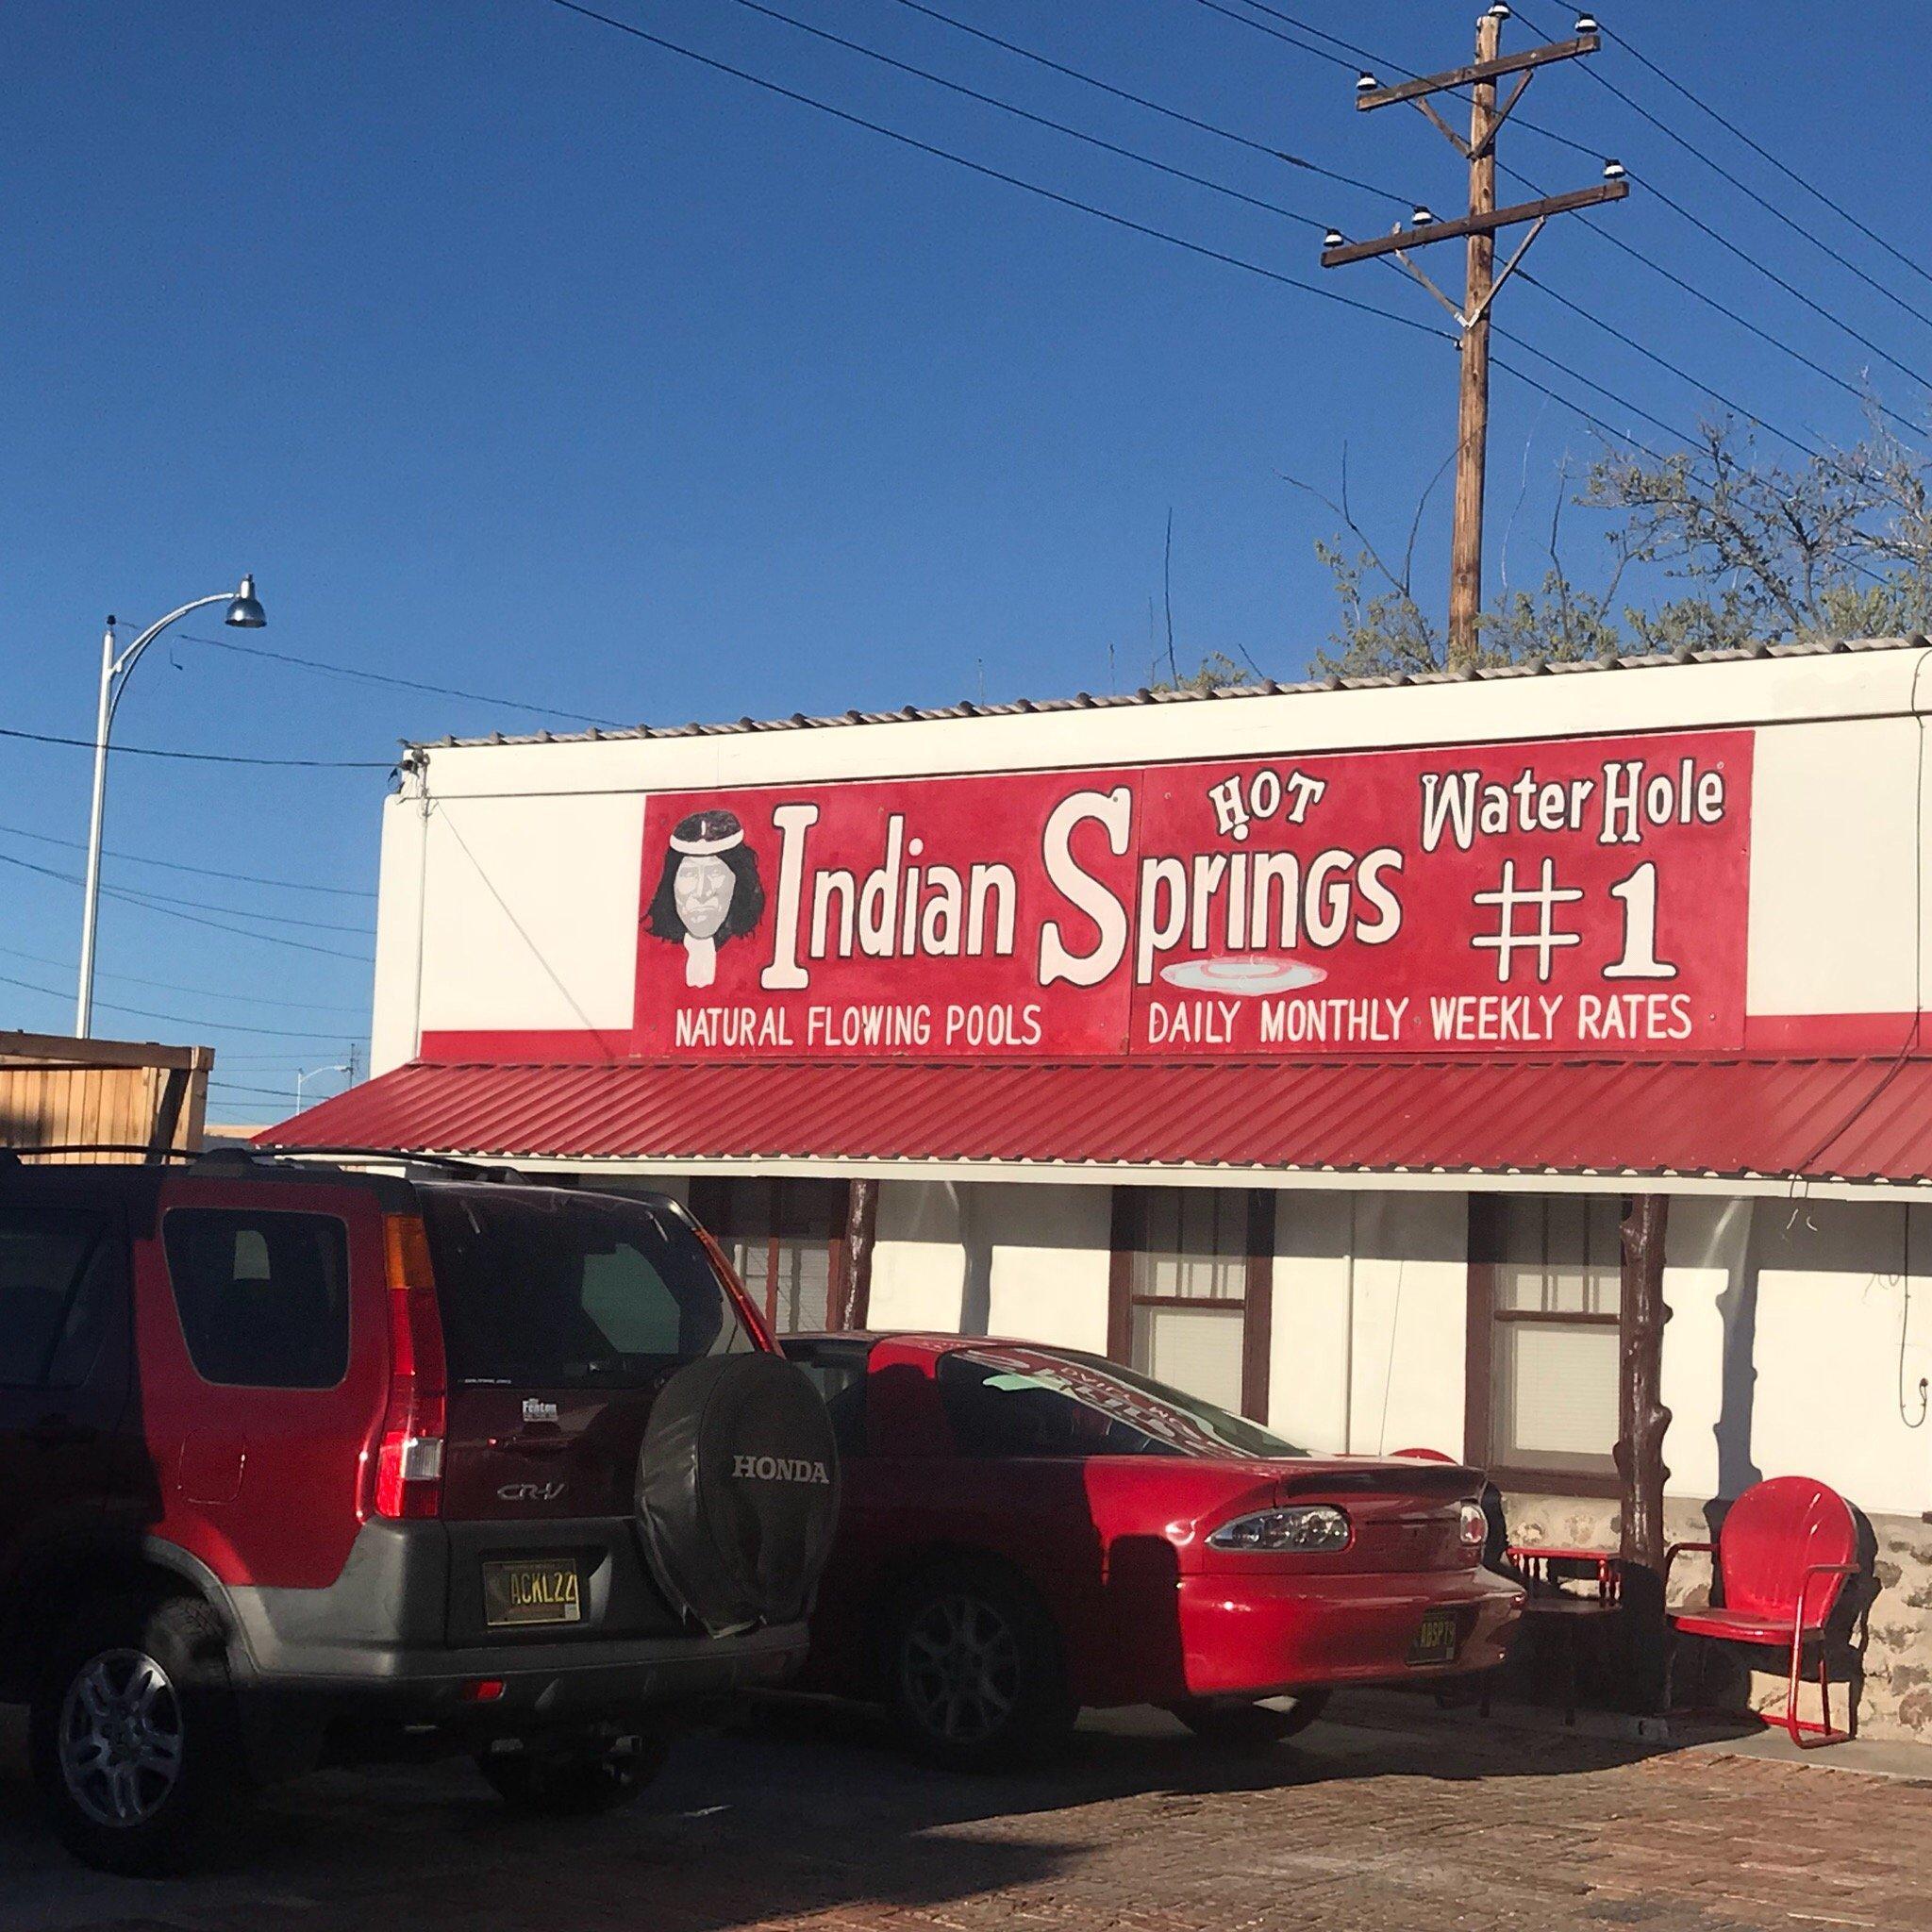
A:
[1847,1118]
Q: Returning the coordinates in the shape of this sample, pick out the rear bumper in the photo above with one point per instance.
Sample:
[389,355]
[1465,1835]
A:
[400,1634]
[1256,1636]
[371,1699]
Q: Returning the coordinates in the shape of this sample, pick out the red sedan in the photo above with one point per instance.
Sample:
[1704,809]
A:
[1026,1530]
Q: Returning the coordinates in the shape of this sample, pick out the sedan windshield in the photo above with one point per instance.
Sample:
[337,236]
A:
[1006,1400]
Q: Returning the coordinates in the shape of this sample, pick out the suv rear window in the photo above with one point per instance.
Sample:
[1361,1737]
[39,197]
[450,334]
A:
[263,1296]
[549,1289]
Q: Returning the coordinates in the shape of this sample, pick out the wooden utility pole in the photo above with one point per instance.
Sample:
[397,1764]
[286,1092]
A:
[1481,282]
[1473,405]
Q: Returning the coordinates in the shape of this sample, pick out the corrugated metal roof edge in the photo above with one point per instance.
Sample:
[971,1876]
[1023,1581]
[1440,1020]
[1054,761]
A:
[1266,687]
[993,1164]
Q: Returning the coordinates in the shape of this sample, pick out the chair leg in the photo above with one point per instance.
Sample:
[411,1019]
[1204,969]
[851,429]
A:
[1806,1735]
[1792,1719]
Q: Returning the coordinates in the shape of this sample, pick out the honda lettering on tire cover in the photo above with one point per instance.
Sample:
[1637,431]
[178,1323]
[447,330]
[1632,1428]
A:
[738,1491]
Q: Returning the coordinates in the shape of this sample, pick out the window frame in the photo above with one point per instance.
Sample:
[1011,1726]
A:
[250,1210]
[711,1192]
[109,1242]
[1129,1242]
[1485,1255]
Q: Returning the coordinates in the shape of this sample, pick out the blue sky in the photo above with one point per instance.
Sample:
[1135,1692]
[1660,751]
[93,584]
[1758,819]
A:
[513,354]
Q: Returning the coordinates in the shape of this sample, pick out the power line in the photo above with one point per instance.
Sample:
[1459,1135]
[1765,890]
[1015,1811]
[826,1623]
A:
[1482,282]
[210,993]
[992,174]
[208,757]
[1273,207]
[1590,383]
[1595,152]
[1106,215]
[142,900]
[173,1019]
[1771,274]
[1275,33]
[1730,247]
[1649,355]
[1790,173]
[1175,114]
[201,904]
[1744,189]
[249,1093]
[208,871]
[1744,322]
[1596,422]
[350,671]
[1333,40]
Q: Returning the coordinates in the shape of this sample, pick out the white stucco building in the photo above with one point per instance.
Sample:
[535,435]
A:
[1302,1046]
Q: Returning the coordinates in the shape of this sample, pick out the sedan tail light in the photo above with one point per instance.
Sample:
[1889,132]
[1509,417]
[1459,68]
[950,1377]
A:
[1475,1526]
[1311,1527]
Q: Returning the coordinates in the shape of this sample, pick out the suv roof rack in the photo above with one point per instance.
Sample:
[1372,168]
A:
[14,1156]
[476,1170]
[250,1156]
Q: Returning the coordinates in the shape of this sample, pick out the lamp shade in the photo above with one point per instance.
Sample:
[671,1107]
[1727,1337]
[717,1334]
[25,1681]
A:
[244,610]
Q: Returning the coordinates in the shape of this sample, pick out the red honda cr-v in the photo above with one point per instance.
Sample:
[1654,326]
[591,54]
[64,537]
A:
[304,1461]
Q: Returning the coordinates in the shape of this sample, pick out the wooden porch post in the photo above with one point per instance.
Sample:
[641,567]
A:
[1641,1418]
[861,1232]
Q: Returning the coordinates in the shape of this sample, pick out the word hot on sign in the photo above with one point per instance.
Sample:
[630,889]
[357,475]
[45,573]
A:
[1534,897]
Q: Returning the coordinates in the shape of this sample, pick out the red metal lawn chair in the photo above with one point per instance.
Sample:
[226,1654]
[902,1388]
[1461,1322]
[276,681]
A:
[1785,1554]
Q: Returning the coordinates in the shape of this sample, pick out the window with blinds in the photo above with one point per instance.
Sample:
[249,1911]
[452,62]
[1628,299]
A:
[1554,1287]
[785,1238]
[1190,1314]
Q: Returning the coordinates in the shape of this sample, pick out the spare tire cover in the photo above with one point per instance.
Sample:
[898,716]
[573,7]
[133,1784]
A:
[738,1491]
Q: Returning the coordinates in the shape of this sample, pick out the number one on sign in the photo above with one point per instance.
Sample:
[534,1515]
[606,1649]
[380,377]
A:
[1640,959]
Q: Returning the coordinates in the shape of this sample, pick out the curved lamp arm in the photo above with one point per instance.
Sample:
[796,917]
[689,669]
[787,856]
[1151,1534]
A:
[118,671]
[243,611]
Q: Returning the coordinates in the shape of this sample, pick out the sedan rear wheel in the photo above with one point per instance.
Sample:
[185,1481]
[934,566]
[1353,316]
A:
[1247,1725]
[975,1671]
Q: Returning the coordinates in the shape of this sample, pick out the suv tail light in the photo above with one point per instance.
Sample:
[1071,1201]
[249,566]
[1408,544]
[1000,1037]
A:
[409,1463]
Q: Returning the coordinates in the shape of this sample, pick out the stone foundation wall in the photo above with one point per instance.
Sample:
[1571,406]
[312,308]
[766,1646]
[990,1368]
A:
[1881,1639]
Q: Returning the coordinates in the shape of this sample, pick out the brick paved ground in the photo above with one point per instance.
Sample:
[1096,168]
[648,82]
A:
[1379,1824]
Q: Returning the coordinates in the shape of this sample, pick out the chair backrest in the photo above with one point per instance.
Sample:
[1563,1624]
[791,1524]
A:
[1774,1532]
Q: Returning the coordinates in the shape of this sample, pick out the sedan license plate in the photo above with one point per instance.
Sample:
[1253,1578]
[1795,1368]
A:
[1435,1642]
[539,1590]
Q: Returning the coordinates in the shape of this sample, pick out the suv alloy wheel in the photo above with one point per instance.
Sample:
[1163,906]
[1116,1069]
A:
[133,1734]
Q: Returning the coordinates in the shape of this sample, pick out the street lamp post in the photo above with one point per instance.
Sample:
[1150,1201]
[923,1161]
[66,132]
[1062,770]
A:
[244,613]
[315,1073]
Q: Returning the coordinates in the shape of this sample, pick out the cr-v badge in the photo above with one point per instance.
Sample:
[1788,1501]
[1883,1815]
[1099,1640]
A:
[532,1492]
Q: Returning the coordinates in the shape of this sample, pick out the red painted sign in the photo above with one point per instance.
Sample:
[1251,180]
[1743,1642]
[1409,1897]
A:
[1582,893]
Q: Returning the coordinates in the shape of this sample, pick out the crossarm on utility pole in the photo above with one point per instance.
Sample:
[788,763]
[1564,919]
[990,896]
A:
[1480,71]
[1513,216]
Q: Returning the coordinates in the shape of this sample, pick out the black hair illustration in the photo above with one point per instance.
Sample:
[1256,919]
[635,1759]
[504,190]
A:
[714,834]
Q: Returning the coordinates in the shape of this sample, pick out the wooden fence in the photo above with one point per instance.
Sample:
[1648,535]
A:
[60,1092]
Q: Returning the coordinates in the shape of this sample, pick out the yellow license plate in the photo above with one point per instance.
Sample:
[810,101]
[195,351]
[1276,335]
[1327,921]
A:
[545,1590]
[1435,1642]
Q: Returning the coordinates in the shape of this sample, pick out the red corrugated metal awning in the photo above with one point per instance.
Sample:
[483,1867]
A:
[1853,1120]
